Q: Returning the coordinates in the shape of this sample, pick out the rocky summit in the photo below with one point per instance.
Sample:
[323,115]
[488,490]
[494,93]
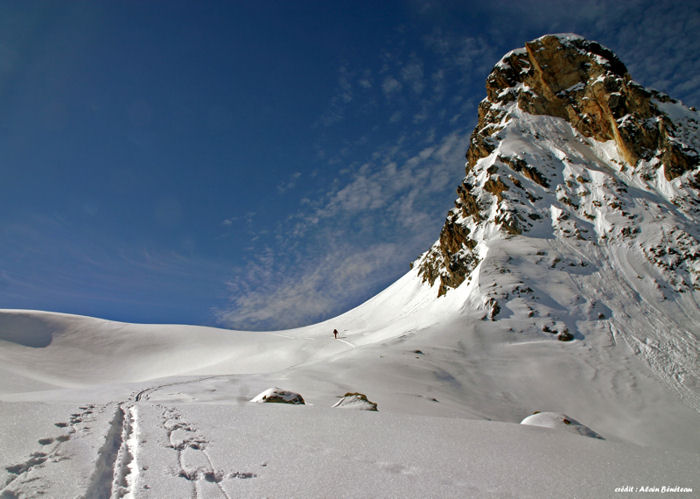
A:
[644,137]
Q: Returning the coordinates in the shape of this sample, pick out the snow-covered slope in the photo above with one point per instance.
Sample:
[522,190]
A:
[440,378]
[564,281]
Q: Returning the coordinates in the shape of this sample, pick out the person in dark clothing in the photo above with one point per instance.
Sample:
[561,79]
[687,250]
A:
[335,333]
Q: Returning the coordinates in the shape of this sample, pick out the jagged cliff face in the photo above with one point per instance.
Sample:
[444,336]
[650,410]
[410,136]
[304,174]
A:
[588,86]
[567,146]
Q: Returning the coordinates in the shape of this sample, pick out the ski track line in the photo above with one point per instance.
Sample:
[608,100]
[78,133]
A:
[101,481]
[347,343]
[125,470]
[146,392]
[53,455]
[655,358]
[282,335]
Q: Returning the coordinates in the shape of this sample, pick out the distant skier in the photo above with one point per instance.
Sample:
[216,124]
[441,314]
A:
[335,333]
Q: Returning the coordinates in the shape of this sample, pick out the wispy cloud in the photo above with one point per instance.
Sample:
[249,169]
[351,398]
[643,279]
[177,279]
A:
[357,237]
[412,75]
[290,183]
[415,170]
[273,297]
[391,86]
[383,207]
[247,218]
[366,81]
[345,85]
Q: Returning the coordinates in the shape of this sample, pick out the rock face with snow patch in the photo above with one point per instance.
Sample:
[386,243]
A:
[579,214]
[357,401]
[587,86]
[278,396]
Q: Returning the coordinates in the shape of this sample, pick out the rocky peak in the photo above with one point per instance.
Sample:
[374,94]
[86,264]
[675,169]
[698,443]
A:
[529,171]
[581,81]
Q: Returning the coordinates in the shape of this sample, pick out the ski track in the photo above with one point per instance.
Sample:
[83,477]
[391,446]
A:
[125,469]
[347,343]
[116,473]
[116,470]
[146,392]
[666,355]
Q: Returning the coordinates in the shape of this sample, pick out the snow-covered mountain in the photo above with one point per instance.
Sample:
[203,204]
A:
[579,215]
[564,283]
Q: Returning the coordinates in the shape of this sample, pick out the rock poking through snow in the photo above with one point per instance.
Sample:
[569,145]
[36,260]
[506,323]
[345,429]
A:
[357,401]
[559,421]
[278,396]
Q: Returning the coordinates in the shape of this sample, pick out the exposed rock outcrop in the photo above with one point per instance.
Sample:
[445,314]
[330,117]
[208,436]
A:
[586,84]
[278,396]
[356,401]
[508,190]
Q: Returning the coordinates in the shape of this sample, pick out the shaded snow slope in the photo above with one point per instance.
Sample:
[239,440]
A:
[72,351]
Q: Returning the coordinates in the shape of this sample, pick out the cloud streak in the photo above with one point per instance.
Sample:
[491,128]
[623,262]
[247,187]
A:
[358,237]
[282,298]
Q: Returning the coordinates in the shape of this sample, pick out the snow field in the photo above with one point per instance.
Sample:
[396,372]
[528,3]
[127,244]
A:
[272,450]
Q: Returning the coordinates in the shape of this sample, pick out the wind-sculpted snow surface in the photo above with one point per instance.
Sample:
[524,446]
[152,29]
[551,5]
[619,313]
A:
[565,280]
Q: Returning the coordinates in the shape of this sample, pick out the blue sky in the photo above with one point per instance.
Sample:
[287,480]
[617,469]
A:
[259,164]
